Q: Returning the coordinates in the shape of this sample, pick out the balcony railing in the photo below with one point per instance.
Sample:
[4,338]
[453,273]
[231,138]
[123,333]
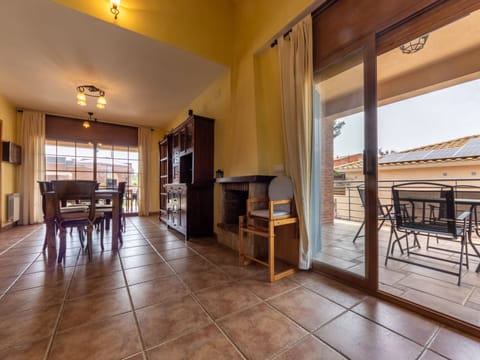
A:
[347,204]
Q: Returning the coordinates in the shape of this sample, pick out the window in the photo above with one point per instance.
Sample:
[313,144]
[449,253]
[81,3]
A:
[107,164]
[69,160]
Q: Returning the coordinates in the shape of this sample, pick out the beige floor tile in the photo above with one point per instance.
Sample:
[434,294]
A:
[26,351]
[191,264]
[112,338]
[141,260]
[265,289]
[430,355]
[442,289]
[168,320]
[156,291]
[91,285]
[207,343]
[177,253]
[94,307]
[455,345]
[410,325]
[236,271]
[59,277]
[35,298]
[225,299]
[307,308]
[148,272]
[204,279]
[137,250]
[334,291]
[359,338]
[168,245]
[445,306]
[27,326]
[97,269]
[260,332]
[310,348]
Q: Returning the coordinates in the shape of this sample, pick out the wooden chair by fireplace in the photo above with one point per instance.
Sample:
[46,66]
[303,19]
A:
[261,219]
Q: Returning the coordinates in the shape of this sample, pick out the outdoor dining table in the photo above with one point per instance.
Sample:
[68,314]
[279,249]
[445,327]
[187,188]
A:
[104,194]
[473,204]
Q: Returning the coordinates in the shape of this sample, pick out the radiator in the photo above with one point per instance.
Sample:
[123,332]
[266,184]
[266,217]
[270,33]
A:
[13,207]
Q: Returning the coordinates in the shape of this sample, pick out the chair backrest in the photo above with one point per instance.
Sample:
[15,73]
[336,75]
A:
[466,192]
[122,185]
[361,194]
[44,186]
[76,190]
[413,203]
[281,188]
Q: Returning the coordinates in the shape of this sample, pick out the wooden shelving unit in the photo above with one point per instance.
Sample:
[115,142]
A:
[186,177]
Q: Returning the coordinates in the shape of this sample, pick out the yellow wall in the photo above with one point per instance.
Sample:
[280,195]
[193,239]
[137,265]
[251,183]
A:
[269,112]
[8,115]
[256,23]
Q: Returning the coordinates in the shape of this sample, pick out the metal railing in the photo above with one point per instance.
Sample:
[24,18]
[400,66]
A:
[347,203]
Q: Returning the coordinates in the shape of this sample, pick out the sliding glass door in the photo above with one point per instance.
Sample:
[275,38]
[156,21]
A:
[339,96]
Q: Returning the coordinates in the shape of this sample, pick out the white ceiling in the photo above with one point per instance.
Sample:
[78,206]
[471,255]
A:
[47,50]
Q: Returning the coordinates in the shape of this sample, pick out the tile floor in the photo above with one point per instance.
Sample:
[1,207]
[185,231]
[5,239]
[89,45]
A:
[162,299]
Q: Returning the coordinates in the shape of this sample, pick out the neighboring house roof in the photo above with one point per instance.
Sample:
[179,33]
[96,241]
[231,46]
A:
[466,148]
[346,159]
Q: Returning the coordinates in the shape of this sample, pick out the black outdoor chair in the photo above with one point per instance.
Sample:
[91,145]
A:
[383,212]
[429,209]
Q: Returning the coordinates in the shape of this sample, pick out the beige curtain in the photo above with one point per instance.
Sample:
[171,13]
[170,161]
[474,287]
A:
[32,169]
[144,145]
[295,51]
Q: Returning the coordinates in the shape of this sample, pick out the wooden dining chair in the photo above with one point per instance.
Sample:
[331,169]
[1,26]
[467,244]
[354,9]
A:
[75,190]
[107,211]
[44,186]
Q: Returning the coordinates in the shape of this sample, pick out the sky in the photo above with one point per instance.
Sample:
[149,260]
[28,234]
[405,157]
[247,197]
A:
[435,117]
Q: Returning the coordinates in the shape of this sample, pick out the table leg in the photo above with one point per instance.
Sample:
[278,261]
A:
[51,241]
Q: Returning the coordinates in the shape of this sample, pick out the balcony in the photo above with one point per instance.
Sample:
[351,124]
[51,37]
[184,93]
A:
[434,289]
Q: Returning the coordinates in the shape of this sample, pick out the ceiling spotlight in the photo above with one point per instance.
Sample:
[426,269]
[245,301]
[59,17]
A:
[114,7]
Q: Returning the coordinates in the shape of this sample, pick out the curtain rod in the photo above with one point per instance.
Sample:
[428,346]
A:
[275,42]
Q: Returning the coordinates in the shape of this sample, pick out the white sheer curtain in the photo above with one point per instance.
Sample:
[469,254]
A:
[32,169]
[144,144]
[296,69]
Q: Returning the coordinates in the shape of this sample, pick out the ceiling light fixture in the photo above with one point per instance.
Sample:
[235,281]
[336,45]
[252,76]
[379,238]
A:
[414,45]
[114,7]
[90,90]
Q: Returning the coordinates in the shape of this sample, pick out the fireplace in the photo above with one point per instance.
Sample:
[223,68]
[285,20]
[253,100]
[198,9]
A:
[233,198]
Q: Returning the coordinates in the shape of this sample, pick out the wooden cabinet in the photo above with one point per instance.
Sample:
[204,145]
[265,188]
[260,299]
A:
[165,151]
[188,192]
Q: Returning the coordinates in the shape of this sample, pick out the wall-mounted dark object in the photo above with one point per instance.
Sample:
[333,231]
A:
[11,152]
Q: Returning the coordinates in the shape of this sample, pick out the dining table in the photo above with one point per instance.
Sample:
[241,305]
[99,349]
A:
[112,195]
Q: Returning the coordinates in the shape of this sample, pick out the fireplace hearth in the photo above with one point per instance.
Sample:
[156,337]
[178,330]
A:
[233,198]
